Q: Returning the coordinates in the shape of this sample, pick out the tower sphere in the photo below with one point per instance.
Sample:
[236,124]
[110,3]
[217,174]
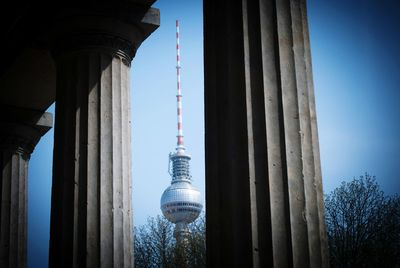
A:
[181,202]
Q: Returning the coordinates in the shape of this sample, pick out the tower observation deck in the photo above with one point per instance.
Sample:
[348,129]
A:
[181,201]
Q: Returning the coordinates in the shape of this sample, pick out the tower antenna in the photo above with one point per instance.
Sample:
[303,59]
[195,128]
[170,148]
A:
[180,142]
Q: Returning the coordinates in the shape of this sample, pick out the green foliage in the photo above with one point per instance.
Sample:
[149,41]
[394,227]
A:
[155,245]
[363,225]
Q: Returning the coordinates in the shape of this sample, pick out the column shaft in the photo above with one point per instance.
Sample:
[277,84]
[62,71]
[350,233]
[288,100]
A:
[227,170]
[91,212]
[263,178]
[13,211]
[315,143]
[20,131]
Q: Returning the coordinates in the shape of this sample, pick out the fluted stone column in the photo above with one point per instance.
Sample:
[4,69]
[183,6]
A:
[263,176]
[20,131]
[91,214]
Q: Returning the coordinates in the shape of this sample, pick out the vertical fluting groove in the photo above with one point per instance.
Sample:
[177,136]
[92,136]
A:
[93,167]
[280,157]
[77,167]
[314,137]
[25,247]
[66,169]
[106,163]
[69,175]
[280,230]
[22,211]
[283,155]
[14,181]
[128,231]
[123,262]
[111,69]
[82,86]
[306,139]
[129,169]
[115,69]
[292,137]
[250,137]
[99,148]
[13,208]
[25,226]
[127,260]
[124,184]
[257,137]
[260,146]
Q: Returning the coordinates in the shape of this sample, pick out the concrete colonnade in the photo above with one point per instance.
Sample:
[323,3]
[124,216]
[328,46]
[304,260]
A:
[263,176]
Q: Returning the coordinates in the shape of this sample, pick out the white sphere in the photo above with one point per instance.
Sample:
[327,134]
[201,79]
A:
[181,202]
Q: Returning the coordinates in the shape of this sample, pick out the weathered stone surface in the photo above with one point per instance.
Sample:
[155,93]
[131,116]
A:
[20,131]
[91,198]
[91,214]
[263,177]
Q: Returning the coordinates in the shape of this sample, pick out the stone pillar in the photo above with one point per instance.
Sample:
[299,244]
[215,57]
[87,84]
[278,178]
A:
[263,176]
[20,131]
[91,213]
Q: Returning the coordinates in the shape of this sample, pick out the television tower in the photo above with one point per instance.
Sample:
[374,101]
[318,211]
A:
[180,202]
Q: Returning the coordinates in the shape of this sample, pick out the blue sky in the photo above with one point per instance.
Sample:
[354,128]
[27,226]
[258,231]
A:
[356,67]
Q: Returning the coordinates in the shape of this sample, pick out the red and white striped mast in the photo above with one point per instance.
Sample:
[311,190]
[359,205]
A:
[180,142]
[181,202]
